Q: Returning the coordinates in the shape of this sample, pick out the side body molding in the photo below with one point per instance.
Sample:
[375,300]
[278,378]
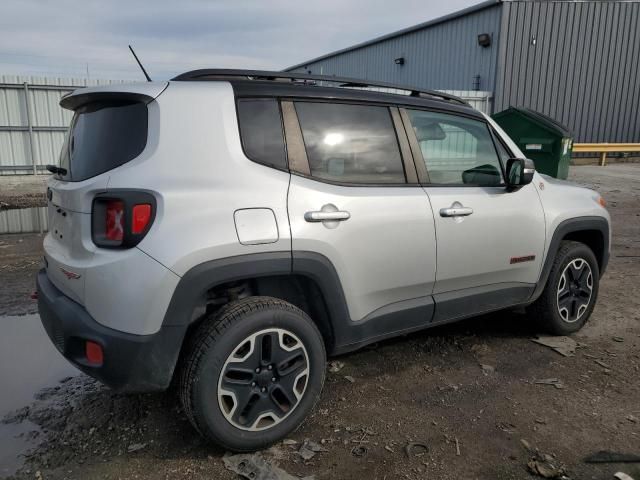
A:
[386,322]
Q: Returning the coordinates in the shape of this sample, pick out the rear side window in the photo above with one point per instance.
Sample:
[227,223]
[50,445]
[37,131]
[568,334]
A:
[261,131]
[103,136]
[350,143]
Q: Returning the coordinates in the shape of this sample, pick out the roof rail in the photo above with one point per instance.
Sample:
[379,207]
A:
[226,74]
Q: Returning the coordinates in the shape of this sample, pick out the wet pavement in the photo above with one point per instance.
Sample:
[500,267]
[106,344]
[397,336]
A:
[28,363]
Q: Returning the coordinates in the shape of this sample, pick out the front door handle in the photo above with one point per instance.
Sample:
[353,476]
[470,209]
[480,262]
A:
[456,211]
[320,216]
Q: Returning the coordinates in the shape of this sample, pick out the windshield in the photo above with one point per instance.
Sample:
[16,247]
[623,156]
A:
[103,136]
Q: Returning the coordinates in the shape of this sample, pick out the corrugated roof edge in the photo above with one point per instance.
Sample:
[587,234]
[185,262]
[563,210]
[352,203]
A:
[397,33]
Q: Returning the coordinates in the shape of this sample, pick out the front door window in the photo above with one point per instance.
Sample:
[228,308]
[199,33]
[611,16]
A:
[456,150]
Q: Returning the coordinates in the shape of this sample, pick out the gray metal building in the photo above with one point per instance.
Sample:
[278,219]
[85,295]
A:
[576,61]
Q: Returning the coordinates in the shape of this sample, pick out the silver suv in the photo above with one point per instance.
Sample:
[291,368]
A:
[228,230]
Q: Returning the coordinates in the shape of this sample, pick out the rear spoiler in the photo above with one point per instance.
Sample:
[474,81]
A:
[135,92]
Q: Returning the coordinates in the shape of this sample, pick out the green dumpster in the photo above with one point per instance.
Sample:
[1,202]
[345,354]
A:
[540,138]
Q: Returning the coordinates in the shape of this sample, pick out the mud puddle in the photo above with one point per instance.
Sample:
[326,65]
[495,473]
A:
[28,363]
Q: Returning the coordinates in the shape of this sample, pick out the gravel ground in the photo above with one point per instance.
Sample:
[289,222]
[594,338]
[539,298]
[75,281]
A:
[467,391]
[23,191]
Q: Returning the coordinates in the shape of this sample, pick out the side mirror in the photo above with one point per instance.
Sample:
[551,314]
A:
[519,172]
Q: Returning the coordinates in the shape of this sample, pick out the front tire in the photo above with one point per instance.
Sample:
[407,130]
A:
[252,373]
[570,294]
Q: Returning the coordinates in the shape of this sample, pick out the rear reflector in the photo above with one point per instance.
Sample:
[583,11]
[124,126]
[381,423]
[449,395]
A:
[141,217]
[114,230]
[93,352]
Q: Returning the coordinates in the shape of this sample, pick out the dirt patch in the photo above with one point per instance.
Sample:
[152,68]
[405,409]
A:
[470,392]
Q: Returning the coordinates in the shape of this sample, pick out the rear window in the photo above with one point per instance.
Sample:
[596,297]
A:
[103,136]
[261,131]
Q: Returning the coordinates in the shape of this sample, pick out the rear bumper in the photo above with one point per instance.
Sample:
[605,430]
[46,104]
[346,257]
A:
[132,363]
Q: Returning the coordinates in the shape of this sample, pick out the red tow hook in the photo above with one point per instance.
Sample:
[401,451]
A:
[34,295]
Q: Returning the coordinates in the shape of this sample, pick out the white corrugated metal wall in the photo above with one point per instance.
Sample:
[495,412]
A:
[24,220]
[38,104]
[477,99]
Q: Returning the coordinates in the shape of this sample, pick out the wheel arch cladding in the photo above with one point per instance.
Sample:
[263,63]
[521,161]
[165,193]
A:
[311,287]
[595,240]
[190,294]
[592,231]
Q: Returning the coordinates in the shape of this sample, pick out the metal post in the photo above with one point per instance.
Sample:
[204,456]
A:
[32,149]
[603,159]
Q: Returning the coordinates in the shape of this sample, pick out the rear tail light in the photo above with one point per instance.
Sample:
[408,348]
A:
[121,219]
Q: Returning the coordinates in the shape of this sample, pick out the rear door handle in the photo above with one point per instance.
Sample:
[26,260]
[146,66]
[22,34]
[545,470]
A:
[456,212]
[321,216]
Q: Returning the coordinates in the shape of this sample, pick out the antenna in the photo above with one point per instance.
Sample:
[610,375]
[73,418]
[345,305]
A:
[141,67]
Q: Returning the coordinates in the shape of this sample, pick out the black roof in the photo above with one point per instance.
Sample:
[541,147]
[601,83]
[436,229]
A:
[324,85]
[254,89]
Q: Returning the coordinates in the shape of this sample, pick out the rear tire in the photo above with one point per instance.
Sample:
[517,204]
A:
[570,294]
[252,372]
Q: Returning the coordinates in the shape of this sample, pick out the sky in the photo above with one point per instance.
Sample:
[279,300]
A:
[73,38]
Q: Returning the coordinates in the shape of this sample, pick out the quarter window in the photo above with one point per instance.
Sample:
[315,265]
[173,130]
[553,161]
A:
[350,143]
[261,131]
[456,150]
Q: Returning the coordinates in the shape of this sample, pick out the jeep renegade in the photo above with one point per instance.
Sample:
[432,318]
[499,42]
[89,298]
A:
[227,230]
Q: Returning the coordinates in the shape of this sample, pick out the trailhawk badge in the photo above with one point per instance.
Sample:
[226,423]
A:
[70,275]
[526,258]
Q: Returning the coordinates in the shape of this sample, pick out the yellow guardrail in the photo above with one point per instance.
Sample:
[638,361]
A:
[604,148]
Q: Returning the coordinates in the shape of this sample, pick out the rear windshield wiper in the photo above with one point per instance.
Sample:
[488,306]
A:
[57,170]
